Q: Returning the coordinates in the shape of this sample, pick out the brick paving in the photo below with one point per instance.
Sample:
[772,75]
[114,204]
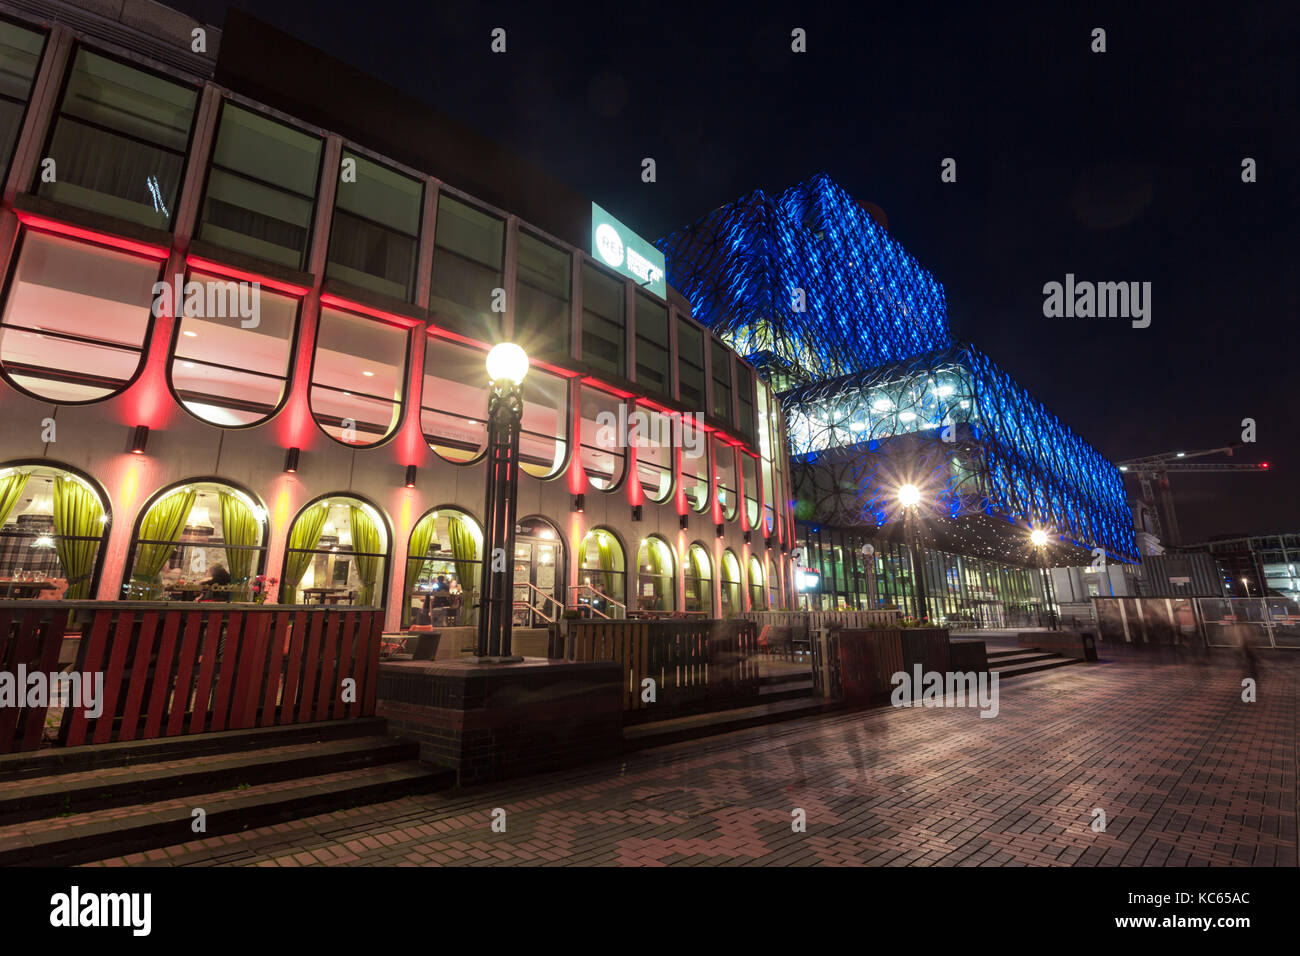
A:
[1186,773]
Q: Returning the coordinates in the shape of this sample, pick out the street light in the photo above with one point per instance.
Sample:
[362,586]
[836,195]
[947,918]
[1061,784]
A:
[507,364]
[909,496]
[1038,537]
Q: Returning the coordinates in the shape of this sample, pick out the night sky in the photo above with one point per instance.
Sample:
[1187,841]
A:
[1122,166]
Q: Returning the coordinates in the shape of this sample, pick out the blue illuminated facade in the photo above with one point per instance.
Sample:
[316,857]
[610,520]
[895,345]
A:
[875,391]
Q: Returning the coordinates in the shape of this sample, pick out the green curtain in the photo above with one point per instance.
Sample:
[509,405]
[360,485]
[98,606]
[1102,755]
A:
[163,525]
[78,529]
[303,539]
[654,557]
[703,582]
[365,537]
[604,558]
[240,530]
[11,489]
[421,537]
[756,585]
[464,550]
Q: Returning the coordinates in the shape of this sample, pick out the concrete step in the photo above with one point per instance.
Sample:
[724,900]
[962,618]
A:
[84,837]
[1033,667]
[55,760]
[677,729]
[1013,652]
[1023,657]
[790,690]
[101,788]
[793,677]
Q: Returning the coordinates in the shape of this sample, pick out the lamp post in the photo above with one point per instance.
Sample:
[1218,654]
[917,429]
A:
[507,364]
[1038,537]
[909,497]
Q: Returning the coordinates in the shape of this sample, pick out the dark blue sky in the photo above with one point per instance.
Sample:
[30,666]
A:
[1123,166]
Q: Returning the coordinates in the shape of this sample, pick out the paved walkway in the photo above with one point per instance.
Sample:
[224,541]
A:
[1185,772]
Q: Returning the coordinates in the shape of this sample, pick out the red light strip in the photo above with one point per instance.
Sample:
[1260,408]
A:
[334,302]
[231,272]
[43,224]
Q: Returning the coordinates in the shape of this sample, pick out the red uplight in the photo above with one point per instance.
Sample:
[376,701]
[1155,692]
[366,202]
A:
[1265,465]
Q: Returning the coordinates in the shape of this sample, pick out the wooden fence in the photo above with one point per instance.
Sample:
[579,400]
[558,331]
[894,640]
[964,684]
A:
[171,668]
[691,662]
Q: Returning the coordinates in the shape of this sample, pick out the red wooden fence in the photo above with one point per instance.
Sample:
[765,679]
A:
[171,668]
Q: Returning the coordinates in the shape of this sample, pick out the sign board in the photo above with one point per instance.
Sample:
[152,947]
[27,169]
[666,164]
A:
[624,251]
[806,579]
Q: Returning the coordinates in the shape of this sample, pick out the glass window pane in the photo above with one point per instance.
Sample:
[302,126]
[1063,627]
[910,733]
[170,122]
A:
[690,364]
[57,547]
[358,374]
[20,54]
[542,299]
[375,233]
[467,261]
[76,318]
[603,449]
[721,360]
[603,325]
[698,580]
[441,583]
[543,431]
[601,569]
[695,466]
[381,195]
[656,577]
[750,475]
[223,372]
[347,561]
[651,344]
[724,466]
[264,149]
[453,412]
[654,453]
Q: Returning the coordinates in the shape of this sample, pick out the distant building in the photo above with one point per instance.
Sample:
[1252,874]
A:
[1259,565]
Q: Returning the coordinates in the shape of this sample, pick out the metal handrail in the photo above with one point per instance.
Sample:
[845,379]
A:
[600,594]
[545,597]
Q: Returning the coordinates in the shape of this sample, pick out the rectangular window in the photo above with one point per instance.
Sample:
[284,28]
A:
[690,364]
[261,188]
[469,248]
[721,361]
[652,345]
[20,54]
[603,324]
[543,296]
[376,229]
[745,397]
[357,377]
[119,141]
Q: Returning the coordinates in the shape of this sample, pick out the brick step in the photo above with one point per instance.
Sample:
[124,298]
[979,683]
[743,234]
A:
[1023,657]
[677,729]
[55,760]
[98,789]
[84,837]
[1033,667]
[1013,653]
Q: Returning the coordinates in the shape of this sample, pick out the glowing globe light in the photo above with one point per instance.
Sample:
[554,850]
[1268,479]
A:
[1039,537]
[507,361]
[909,496]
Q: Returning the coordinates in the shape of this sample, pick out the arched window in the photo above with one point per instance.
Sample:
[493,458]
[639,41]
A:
[233,349]
[724,467]
[543,433]
[443,567]
[337,554]
[698,575]
[602,572]
[730,582]
[202,540]
[453,404]
[76,318]
[749,466]
[695,466]
[358,376]
[654,453]
[757,595]
[603,448]
[52,530]
[656,576]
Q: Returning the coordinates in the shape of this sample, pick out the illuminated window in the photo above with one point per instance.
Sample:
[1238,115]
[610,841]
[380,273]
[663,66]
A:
[231,359]
[730,589]
[376,229]
[603,449]
[651,344]
[601,573]
[119,141]
[698,580]
[76,318]
[745,398]
[695,466]
[443,567]
[453,404]
[757,594]
[261,187]
[654,453]
[655,576]
[724,469]
[20,54]
[543,433]
[469,248]
[749,474]
[52,530]
[603,324]
[690,365]
[543,309]
[357,376]
[721,361]
[199,541]
[768,438]
[337,553]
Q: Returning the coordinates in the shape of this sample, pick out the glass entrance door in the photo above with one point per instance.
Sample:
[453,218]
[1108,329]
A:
[537,569]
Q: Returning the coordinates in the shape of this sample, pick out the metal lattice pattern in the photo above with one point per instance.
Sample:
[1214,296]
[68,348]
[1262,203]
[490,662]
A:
[866,301]
[954,423]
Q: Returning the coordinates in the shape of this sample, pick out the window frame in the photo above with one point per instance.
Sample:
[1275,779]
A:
[387,557]
[414,280]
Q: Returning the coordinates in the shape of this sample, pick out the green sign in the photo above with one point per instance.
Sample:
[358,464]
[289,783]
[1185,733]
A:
[624,251]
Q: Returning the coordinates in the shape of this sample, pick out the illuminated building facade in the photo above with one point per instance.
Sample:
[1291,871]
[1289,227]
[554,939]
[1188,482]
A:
[877,395]
[249,293]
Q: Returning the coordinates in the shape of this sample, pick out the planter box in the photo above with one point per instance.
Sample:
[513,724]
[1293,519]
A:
[969,656]
[858,664]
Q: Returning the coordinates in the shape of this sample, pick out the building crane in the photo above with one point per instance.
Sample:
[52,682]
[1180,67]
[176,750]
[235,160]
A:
[1157,468]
